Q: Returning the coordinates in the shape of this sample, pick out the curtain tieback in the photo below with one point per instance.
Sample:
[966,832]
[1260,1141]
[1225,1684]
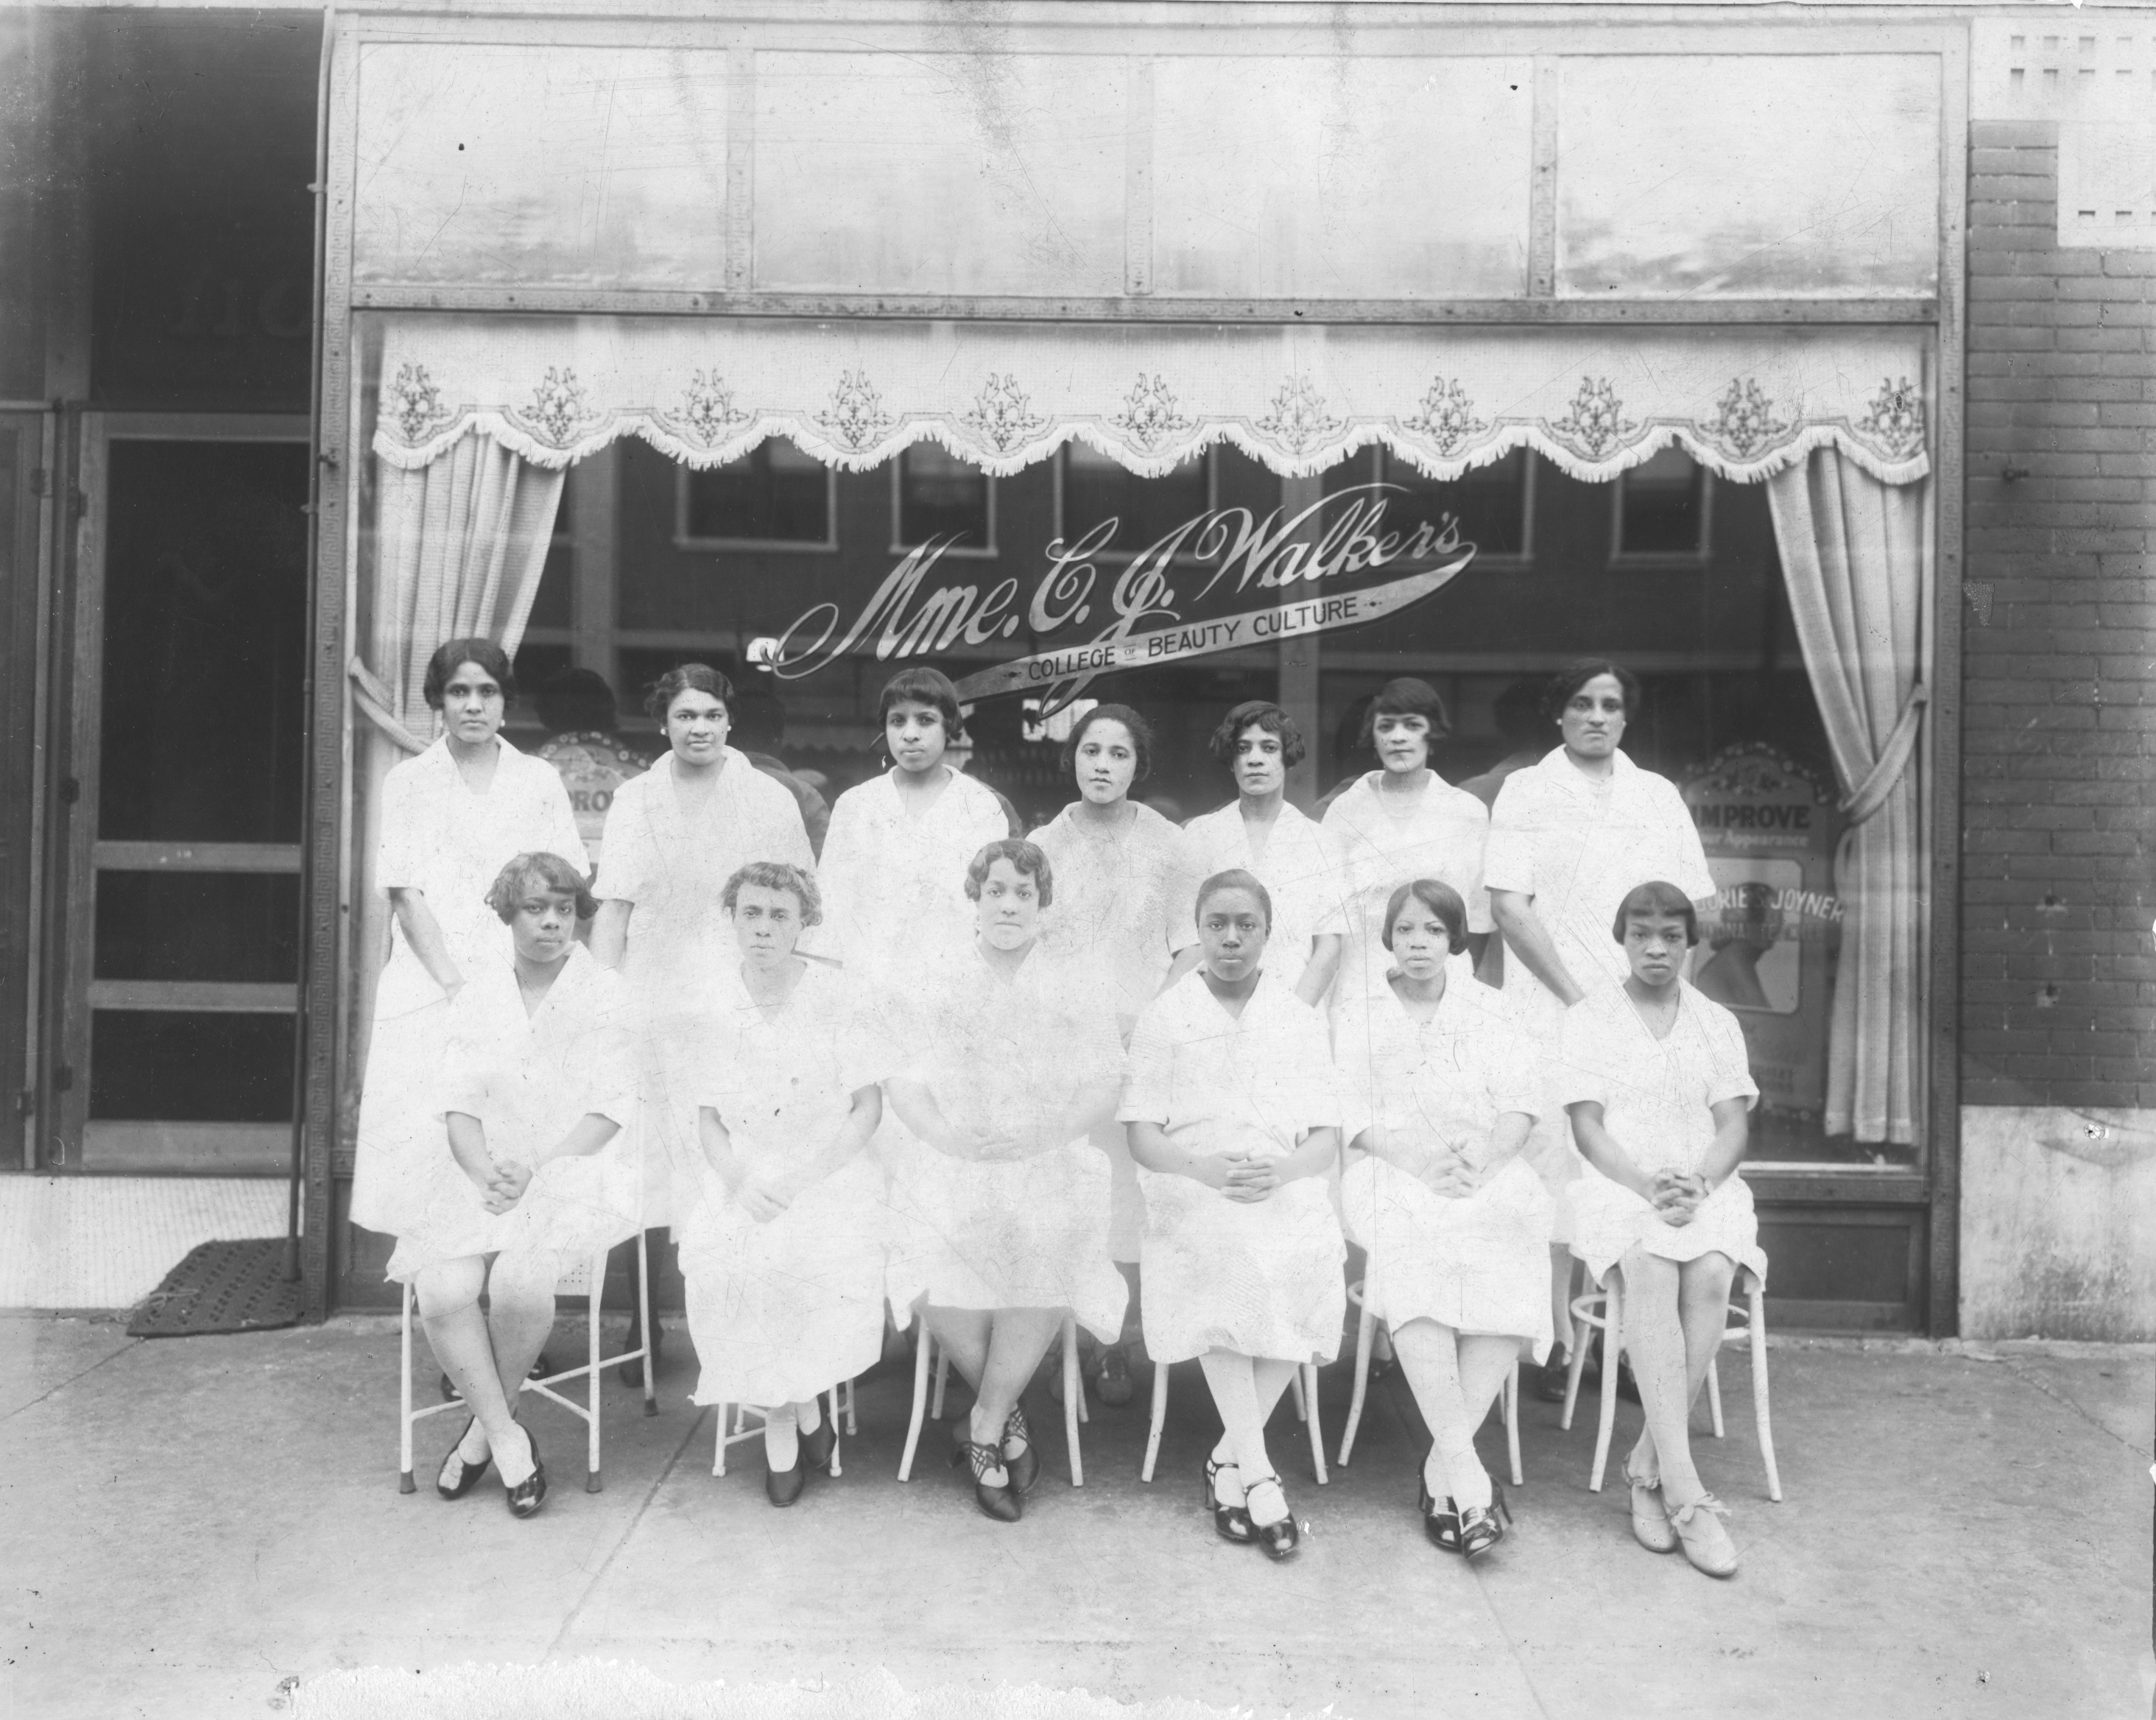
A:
[1868,796]
[373,698]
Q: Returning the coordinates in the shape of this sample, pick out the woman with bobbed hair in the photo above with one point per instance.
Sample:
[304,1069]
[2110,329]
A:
[1441,1091]
[1010,1056]
[450,819]
[1125,879]
[1403,821]
[1264,833]
[533,1166]
[674,836]
[781,1231]
[1234,1110]
[899,843]
[1568,837]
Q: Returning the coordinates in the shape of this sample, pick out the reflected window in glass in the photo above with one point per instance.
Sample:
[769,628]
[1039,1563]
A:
[1663,509]
[773,496]
[1098,499]
[936,496]
[1493,503]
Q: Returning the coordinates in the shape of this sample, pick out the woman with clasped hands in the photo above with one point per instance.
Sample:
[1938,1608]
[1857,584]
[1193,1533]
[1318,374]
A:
[1006,1057]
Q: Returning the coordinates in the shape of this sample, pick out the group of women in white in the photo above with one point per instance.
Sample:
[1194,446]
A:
[1119,1066]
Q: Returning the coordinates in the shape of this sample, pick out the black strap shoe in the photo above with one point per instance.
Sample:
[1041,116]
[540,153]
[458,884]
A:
[1001,1503]
[819,1448]
[528,1495]
[1026,1467]
[1230,1523]
[459,1474]
[1441,1524]
[1281,1539]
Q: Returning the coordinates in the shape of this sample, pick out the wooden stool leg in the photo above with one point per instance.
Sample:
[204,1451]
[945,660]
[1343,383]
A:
[922,1343]
[853,1426]
[595,1284]
[1307,1379]
[404,1482]
[1294,1385]
[943,1373]
[835,1469]
[1583,1335]
[1074,1399]
[1714,1399]
[1761,1414]
[1613,1350]
[1362,1339]
[1512,1399]
[719,1441]
[644,1304]
[1159,1418]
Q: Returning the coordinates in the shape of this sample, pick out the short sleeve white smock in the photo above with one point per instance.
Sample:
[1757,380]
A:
[1303,868]
[1390,839]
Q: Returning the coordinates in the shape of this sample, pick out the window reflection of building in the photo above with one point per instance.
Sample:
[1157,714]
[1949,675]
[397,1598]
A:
[936,496]
[1494,503]
[1092,489]
[774,496]
[1661,509]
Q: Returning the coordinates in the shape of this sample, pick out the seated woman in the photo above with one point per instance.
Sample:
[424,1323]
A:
[538,1169]
[1441,1091]
[780,1233]
[1001,1206]
[1656,1082]
[1233,1122]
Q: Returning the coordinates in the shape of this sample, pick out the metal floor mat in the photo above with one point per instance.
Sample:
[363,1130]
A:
[221,1286]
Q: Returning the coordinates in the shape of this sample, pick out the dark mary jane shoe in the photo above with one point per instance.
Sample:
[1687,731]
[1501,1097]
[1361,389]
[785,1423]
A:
[783,1486]
[819,1448]
[1026,1467]
[1282,1539]
[1230,1523]
[1001,1503]
[459,1474]
[1479,1527]
[528,1495]
[1441,1524]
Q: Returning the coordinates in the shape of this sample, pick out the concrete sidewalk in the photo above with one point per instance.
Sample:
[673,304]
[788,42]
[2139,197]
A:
[188,1524]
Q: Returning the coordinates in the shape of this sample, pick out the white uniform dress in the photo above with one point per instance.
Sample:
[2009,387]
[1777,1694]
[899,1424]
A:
[672,865]
[1654,1095]
[1578,845]
[1304,872]
[781,1309]
[1478,1263]
[1122,906]
[529,1079]
[1259,1279]
[1025,1233]
[439,837]
[894,882]
[1389,839]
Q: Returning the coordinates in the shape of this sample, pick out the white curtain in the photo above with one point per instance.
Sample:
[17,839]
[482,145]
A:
[459,547]
[1852,550]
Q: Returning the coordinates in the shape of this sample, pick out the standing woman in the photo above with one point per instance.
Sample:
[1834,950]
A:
[782,1252]
[1400,821]
[1125,879]
[896,856]
[1568,837]
[1010,1056]
[1659,1087]
[1441,1090]
[1234,1115]
[534,1163]
[674,836]
[1262,833]
[451,818]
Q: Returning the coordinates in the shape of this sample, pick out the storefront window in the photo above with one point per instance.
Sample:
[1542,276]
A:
[1493,504]
[935,495]
[772,495]
[1661,509]
[1096,495]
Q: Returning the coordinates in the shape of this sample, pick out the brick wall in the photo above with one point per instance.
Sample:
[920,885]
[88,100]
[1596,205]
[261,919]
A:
[2059,991]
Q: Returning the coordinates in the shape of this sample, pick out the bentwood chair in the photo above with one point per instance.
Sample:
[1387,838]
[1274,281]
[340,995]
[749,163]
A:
[1602,1310]
[1304,1387]
[926,1353]
[587,1277]
[1365,1339]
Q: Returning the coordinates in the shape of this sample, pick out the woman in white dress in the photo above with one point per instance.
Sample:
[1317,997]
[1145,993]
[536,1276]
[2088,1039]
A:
[1263,833]
[1232,1105]
[1010,1056]
[1657,1083]
[1125,879]
[1400,821]
[1568,837]
[450,819]
[1441,1090]
[534,1164]
[674,836]
[895,856]
[782,1230]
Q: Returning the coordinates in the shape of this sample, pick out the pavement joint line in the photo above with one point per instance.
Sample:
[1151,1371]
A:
[132,1344]
[2059,1397]
[629,1530]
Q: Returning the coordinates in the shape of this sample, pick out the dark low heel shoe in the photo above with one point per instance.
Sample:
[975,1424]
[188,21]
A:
[1479,1527]
[1001,1503]
[1441,1524]
[1026,1467]
[819,1448]
[783,1486]
[459,1474]
[1281,1540]
[528,1495]
[1230,1523]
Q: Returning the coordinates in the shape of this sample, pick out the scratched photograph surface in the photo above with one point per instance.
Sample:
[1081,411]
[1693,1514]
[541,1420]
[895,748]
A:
[886,859]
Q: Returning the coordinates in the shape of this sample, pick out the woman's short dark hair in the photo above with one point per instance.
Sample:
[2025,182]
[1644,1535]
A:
[1258,714]
[688,677]
[1140,738]
[538,868]
[1557,692]
[1407,697]
[777,874]
[1643,901]
[923,686]
[1235,878]
[1440,898]
[1027,858]
[453,656]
